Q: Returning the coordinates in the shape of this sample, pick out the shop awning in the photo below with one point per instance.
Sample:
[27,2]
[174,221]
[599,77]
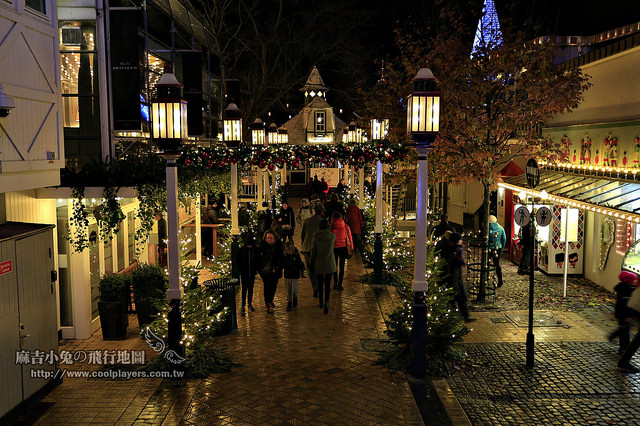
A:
[616,198]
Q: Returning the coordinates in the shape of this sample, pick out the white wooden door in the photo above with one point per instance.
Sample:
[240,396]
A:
[10,375]
[37,306]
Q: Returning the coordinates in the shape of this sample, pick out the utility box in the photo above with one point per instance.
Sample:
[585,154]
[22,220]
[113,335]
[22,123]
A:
[29,332]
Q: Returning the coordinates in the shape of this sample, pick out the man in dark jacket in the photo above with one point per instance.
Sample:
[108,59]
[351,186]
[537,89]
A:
[310,227]
[248,260]
[525,258]
[443,226]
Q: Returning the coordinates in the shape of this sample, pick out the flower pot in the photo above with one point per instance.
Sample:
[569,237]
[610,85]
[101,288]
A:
[113,320]
[146,313]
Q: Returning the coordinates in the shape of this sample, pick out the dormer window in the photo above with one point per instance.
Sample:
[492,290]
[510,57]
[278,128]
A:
[320,122]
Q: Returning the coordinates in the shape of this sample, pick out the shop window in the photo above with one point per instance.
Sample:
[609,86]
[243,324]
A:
[108,256]
[79,78]
[94,270]
[131,220]
[120,241]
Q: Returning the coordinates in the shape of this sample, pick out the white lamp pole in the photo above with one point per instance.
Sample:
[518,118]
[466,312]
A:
[169,131]
[423,124]
[232,135]
[379,128]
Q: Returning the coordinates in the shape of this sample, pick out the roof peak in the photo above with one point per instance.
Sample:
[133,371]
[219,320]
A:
[314,82]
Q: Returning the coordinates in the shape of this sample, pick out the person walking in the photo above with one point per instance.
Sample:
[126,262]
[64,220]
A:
[248,260]
[334,205]
[287,220]
[497,241]
[633,304]
[293,268]
[271,263]
[342,189]
[343,243]
[354,219]
[309,228]
[455,262]
[525,258]
[305,212]
[443,226]
[323,261]
[626,286]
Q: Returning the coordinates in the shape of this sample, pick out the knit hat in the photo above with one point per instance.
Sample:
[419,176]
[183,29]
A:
[493,219]
[628,277]
[455,237]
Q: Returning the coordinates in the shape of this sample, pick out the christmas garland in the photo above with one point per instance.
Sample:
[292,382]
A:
[199,171]
[273,156]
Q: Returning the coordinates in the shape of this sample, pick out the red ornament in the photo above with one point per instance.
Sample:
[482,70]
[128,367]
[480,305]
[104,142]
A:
[271,167]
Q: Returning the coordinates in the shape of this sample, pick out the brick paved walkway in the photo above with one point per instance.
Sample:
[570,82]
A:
[300,367]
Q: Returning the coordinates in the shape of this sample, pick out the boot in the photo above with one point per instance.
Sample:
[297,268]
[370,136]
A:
[289,307]
[295,301]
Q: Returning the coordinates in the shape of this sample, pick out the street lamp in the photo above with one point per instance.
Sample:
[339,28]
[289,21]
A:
[379,128]
[258,138]
[257,132]
[232,135]
[423,124]
[272,138]
[169,132]
[283,139]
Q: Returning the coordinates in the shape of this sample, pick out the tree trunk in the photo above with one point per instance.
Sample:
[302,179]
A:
[484,266]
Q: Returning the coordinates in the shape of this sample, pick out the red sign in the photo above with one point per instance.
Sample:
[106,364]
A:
[5,267]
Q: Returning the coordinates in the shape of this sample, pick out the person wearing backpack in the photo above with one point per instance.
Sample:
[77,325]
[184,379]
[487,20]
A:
[293,268]
[497,241]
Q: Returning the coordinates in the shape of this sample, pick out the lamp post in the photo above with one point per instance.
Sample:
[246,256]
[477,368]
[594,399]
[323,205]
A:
[272,137]
[258,138]
[169,131]
[232,135]
[379,128]
[283,139]
[423,124]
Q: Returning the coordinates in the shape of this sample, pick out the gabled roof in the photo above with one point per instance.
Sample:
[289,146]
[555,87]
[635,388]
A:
[314,82]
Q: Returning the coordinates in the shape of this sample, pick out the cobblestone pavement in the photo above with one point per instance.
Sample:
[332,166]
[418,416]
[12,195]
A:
[574,379]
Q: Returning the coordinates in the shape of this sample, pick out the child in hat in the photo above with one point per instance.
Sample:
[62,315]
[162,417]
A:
[628,283]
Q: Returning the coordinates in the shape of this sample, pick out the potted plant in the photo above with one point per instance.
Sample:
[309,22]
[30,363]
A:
[114,293]
[149,292]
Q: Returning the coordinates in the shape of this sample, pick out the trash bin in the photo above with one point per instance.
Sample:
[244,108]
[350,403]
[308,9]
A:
[226,287]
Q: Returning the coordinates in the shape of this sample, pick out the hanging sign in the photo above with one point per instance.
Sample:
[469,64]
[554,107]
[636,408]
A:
[522,216]
[543,216]
[532,173]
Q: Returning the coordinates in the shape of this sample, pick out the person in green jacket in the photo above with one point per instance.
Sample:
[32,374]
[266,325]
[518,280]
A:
[497,241]
[323,261]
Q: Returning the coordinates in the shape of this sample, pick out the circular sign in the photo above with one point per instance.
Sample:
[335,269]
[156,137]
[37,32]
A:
[532,173]
[522,216]
[543,216]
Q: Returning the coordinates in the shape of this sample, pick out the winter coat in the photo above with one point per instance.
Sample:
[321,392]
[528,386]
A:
[623,294]
[354,219]
[342,232]
[248,260]
[497,236]
[287,217]
[293,265]
[304,213]
[322,257]
[333,206]
[309,228]
[271,260]
[441,228]
[455,262]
